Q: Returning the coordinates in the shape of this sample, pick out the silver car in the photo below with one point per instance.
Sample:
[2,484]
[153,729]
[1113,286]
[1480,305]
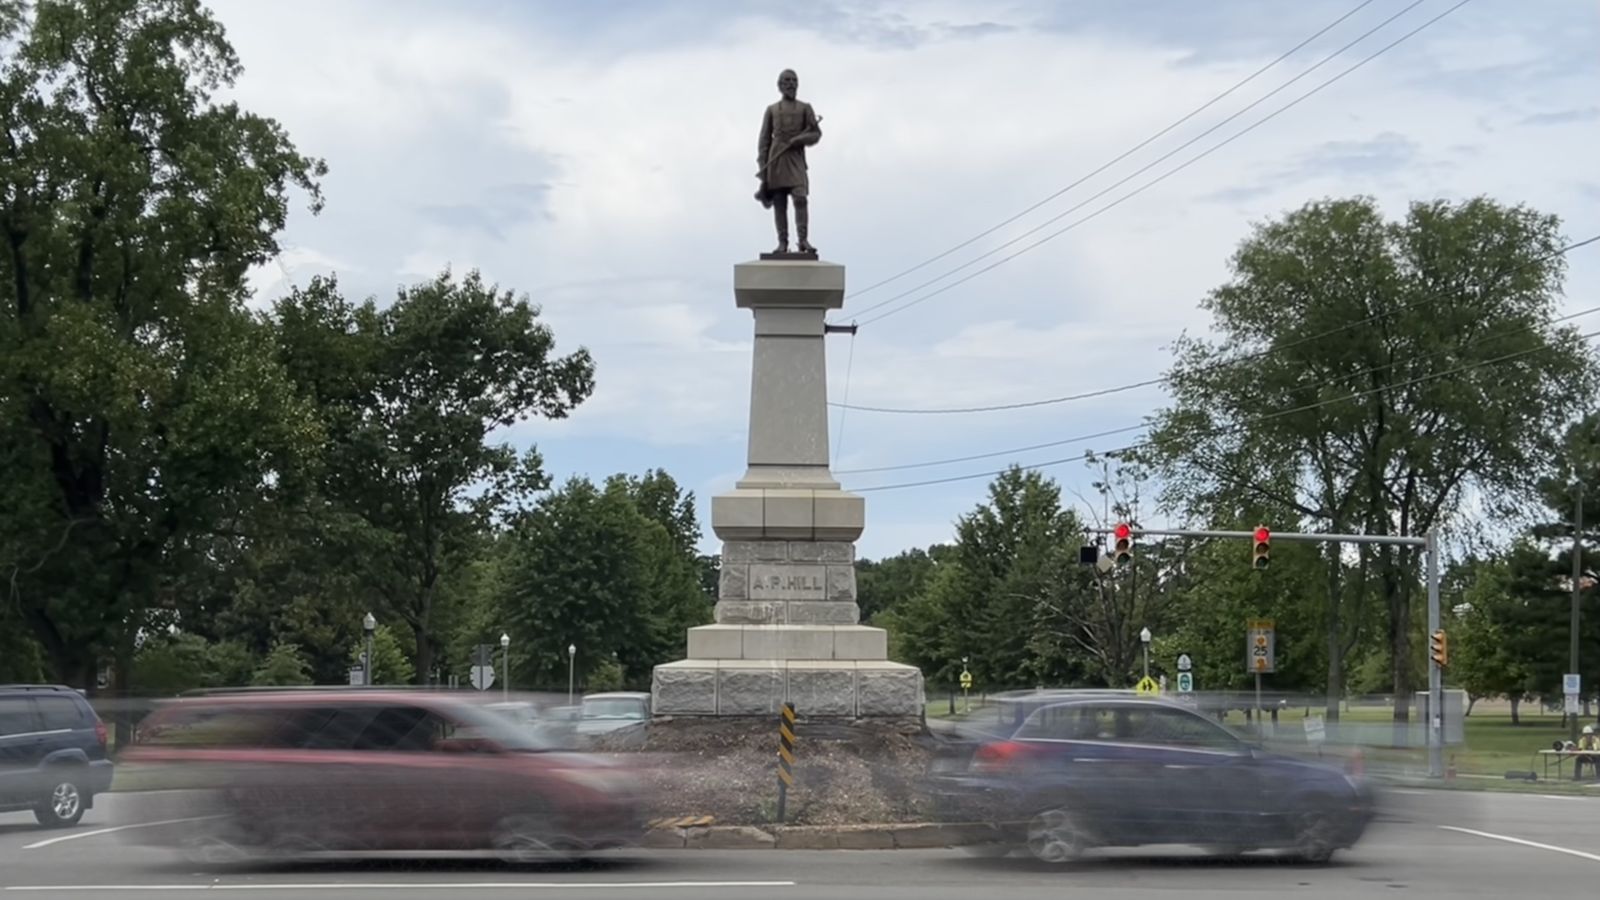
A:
[605,713]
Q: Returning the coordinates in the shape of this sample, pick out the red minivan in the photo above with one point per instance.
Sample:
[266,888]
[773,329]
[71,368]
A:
[309,772]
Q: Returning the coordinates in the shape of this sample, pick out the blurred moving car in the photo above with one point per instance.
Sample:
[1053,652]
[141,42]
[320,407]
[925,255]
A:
[305,772]
[610,712]
[1103,770]
[52,753]
[553,726]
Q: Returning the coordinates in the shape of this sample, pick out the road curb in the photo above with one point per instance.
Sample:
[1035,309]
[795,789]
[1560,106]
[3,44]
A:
[886,836]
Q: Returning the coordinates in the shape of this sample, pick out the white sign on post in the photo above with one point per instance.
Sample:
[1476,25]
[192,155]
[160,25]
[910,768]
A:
[1261,647]
[483,677]
[1570,704]
[1316,730]
[1571,684]
[1184,662]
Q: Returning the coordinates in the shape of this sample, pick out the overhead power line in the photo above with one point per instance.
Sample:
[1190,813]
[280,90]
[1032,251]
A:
[1217,431]
[1138,190]
[1013,451]
[1162,379]
[1122,156]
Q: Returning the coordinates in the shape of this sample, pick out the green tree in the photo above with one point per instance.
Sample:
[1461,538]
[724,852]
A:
[412,394]
[1367,375]
[1482,661]
[607,676]
[884,584]
[284,666]
[985,603]
[390,664]
[595,567]
[140,409]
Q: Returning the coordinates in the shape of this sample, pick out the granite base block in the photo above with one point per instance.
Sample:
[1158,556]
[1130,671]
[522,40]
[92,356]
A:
[750,691]
[821,689]
[686,690]
[781,612]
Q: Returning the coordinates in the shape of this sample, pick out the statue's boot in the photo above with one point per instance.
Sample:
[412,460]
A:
[802,225]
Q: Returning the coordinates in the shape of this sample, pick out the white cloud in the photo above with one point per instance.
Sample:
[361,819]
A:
[628,146]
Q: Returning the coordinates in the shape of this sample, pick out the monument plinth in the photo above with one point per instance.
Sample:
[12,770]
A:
[787,624]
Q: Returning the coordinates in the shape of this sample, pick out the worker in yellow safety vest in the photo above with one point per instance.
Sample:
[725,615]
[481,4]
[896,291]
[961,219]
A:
[1591,743]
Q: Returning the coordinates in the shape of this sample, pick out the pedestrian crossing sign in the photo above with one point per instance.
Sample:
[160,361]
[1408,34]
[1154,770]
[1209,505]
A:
[1147,686]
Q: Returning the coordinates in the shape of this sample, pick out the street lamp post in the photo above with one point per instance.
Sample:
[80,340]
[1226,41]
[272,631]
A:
[572,658]
[1144,638]
[369,624]
[505,666]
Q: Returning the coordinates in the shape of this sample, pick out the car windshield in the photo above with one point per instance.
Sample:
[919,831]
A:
[613,708]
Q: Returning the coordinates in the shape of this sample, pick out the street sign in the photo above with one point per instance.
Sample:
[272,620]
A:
[1184,662]
[1147,686]
[358,675]
[1185,682]
[483,677]
[1571,685]
[1316,730]
[1570,704]
[966,680]
[1261,647]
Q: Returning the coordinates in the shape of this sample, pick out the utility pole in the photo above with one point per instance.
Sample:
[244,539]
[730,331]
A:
[1434,727]
[1577,588]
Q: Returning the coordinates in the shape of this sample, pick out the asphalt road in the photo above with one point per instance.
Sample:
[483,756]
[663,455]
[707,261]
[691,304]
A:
[1429,845]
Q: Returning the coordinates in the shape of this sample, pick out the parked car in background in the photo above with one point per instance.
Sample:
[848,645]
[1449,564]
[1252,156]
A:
[1104,770]
[298,772]
[53,757]
[551,726]
[602,714]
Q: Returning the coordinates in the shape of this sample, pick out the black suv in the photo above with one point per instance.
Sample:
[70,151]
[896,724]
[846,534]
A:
[52,753]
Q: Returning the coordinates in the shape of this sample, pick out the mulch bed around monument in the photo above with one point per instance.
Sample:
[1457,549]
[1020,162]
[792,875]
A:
[845,774]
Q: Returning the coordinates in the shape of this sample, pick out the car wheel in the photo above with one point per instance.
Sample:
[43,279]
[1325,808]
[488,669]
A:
[1054,836]
[520,840]
[1315,835]
[64,805]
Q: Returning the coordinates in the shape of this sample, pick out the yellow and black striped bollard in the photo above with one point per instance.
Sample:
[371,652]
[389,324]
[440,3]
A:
[785,758]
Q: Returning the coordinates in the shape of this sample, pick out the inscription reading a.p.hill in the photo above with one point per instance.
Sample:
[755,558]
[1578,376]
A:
[788,582]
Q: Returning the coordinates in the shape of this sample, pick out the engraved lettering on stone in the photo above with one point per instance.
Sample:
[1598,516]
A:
[788,582]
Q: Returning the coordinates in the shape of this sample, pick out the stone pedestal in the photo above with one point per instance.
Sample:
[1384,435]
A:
[787,625]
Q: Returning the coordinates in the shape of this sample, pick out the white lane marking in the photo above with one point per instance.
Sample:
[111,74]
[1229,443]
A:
[401,886]
[115,828]
[1557,797]
[1526,843]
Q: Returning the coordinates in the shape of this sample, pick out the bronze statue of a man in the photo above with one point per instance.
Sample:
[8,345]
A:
[787,129]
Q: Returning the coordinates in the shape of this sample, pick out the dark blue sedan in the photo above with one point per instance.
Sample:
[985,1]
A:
[1108,771]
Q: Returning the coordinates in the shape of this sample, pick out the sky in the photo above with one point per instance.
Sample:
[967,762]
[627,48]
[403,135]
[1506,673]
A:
[598,157]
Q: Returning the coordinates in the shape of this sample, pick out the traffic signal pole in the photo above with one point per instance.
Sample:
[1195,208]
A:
[1433,728]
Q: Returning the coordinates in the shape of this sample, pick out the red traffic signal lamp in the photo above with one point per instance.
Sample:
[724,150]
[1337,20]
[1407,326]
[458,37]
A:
[1123,544]
[1262,557]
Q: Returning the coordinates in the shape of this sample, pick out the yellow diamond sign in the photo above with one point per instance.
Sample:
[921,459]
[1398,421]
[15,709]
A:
[1147,686]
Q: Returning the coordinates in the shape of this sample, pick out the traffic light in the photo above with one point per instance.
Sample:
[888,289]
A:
[1439,648]
[1263,552]
[1124,543]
